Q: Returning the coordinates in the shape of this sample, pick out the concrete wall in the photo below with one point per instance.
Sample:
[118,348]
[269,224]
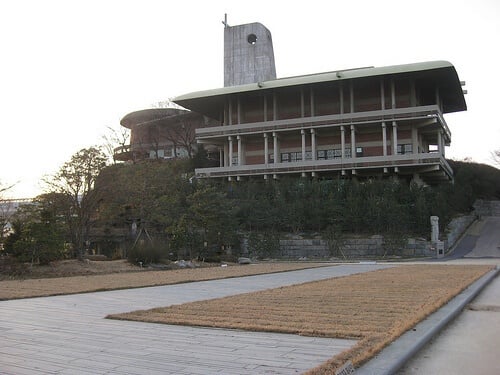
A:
[353,248]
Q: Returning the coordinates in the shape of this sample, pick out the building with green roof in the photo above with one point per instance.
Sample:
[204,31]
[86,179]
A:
[364,122]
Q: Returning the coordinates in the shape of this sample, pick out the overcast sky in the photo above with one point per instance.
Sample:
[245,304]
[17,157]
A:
[69,69]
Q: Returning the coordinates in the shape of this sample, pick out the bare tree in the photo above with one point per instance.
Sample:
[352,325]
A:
[182,135]
[6,210]
[113,139]
[4,188]
[75,194]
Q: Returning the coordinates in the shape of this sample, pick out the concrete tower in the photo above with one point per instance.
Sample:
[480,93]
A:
[248,54]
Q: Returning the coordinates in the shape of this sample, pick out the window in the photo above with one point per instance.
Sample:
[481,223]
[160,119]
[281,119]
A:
[252,39]
[359,152]
[405,149]
[295,156]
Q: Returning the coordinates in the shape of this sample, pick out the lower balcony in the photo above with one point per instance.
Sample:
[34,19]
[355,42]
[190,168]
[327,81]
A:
[430,167]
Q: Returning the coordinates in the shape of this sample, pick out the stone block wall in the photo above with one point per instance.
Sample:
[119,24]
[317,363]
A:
[353,248]
[299,248]
[487,208]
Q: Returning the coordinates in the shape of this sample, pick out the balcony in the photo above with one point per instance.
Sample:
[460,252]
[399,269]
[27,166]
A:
[431,166]
[430,112]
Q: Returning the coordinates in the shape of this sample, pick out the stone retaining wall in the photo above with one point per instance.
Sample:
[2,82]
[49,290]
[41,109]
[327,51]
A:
[352,248]
[487,208]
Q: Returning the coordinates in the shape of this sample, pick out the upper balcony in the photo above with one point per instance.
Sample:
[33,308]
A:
[428,114]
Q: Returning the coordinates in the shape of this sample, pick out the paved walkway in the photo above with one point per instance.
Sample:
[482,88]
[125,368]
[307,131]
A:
[69,335]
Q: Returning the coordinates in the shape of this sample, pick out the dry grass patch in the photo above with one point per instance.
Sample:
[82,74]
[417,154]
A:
[13,289]
[374,307]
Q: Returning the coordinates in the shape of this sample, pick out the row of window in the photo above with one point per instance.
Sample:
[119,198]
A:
[180,152]
[292,157]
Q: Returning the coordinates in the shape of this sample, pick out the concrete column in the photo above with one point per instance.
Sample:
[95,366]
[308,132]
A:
[443,144]
[341,98]
[313,145]
[230,112]
[353,142]
[342,141]
[440,143]
[302,105]
[238,110]
[230,154]
[312,102]
[240,150]
[393,95]
[382,94]
[266,149]
[265,108]
[351,97]
[275,107]
[275,148]
[394,138]
[226,154]
[414,139]
[221,157]
[384,139]
[303,133]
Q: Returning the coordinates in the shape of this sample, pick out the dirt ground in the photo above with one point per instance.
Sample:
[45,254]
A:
[65,268]
[72,276]
[374,307]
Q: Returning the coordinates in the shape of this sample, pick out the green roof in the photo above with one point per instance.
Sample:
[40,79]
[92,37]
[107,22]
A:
[210,102]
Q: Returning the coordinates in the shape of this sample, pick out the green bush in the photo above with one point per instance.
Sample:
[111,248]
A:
[147,253]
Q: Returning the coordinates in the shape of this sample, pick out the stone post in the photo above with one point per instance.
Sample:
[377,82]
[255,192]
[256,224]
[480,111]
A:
[434,229]
[436,244]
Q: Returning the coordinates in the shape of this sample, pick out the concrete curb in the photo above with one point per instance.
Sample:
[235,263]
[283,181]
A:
[400,351]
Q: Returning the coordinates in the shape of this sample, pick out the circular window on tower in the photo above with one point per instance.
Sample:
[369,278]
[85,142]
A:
[252,38]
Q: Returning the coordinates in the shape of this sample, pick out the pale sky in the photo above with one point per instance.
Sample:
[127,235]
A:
[71,68]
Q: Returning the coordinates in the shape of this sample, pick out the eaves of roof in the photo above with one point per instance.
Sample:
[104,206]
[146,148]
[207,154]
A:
[209,102]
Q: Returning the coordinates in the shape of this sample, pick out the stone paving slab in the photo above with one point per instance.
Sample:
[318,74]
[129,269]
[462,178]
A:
[70,335]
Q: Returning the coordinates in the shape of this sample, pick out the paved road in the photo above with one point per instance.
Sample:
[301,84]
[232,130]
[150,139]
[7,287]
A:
[469,345]
[69,335]
[488,241]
